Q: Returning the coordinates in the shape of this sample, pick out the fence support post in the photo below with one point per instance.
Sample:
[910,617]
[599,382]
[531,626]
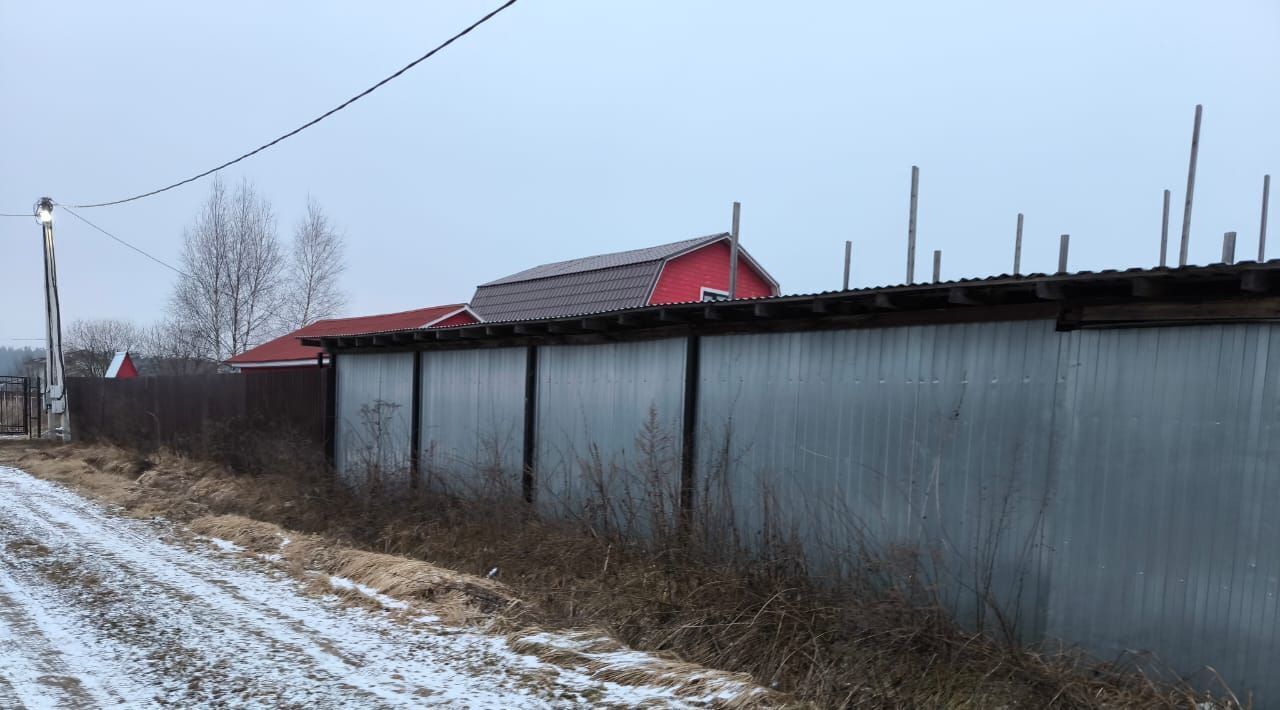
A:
[331,410]
[689,432]
[530,421]
[415,425]
[1017,248]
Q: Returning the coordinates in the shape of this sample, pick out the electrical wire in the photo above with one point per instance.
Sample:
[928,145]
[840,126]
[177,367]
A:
[313,121]
[7,214]
[118,239]
[158,260]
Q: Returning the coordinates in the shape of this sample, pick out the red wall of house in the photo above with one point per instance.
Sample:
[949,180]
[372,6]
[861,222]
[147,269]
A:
[127,370]
[683,277]
[463,318]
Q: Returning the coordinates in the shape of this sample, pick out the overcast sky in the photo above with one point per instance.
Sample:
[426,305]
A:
[566,128]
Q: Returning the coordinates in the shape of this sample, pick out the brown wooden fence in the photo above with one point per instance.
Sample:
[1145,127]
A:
[205,414]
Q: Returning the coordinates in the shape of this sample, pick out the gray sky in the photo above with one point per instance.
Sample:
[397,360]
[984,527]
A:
[565,128]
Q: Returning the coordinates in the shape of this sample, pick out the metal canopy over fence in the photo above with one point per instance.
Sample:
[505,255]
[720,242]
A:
[1117,486]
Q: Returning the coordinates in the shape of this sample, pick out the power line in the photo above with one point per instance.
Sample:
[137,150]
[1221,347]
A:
[7,214]
[118,239]
[180,272]
[313,121]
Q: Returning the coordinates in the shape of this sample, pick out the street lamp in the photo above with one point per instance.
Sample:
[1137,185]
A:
[55,394]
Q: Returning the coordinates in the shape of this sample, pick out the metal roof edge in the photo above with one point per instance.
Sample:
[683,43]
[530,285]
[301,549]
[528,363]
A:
[699,242]
[1251,281]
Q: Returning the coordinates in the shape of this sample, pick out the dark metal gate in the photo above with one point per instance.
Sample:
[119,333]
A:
[18,406]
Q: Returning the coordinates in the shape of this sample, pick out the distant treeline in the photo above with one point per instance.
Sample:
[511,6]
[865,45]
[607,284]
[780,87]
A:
[14,360]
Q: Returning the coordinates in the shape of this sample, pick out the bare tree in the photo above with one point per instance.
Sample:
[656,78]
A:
[170,348]
[231,293]
[91,344]
[314,270]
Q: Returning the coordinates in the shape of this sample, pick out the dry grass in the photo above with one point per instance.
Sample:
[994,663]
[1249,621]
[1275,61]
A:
[393,575]
[873,649]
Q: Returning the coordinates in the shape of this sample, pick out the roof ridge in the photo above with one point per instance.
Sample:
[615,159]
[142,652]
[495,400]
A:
[384,315]
[548,270]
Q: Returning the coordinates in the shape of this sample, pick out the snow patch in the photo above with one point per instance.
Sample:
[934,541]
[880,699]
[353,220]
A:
[353,586]
[224,545]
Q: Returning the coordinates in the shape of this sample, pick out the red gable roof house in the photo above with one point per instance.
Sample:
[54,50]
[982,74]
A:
[288,352]
[689,270]
[122,367]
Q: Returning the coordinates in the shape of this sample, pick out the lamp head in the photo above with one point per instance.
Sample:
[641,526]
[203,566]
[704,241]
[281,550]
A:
[44,210]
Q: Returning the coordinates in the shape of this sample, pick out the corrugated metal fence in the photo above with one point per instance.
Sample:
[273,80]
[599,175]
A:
[1116,489]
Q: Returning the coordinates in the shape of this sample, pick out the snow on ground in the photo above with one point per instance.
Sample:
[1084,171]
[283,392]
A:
[225,545]
[100,610]
[351,585]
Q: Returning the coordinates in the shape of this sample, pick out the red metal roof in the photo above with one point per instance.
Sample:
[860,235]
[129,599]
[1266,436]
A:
[288,348]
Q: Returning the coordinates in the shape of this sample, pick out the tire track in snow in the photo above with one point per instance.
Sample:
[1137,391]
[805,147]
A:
[52,662]
[165,625]
[202,608]
[186,613]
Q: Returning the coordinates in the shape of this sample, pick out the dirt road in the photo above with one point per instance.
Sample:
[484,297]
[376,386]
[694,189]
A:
[100,610]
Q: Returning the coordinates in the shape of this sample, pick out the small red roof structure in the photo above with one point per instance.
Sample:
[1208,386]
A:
[288,352]
[121,367]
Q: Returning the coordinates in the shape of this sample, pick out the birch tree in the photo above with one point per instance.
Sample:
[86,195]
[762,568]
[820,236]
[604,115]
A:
[231,292]
[314,269]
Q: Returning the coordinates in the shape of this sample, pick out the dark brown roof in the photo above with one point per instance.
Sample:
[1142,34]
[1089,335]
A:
[608,261]
[598,290]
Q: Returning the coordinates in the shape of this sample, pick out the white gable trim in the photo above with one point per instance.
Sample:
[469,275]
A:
[465,309]
[117,362]
[742,254]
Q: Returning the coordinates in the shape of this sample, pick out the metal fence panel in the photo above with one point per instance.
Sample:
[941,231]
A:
[473,421]
[1164,528]
[202,414]
[933,437]
[1113,489]
[608,429]
[374,398]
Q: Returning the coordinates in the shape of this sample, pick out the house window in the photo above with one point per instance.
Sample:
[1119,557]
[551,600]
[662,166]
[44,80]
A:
[713,294]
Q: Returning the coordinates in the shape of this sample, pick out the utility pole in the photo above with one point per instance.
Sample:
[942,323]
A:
[55,386]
